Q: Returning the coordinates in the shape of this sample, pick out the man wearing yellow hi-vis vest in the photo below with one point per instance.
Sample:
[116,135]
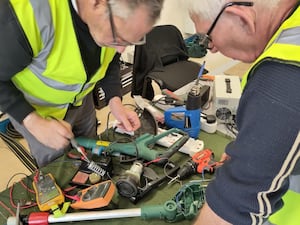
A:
[53,52]
[260,181]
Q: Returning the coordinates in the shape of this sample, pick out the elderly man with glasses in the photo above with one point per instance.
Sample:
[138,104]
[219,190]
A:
[52,55]
[259,182]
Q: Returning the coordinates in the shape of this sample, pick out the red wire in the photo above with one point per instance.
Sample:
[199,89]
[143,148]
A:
[70,188]
[7,208]
[152,161]
[12,202]
[35,178]
[26,187]
[73,197]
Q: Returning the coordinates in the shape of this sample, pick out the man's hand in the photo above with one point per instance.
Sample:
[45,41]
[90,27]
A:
[128,119]
[50,132]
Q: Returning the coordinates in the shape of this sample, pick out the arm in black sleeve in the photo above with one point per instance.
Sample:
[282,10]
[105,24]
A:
[111,83]
[15,55]
[249,187]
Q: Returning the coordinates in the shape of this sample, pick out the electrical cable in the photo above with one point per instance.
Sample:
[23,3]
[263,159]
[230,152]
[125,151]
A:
[7,208]
[13,176]
[20,151]
[26,206]
[12,132]
[231,126]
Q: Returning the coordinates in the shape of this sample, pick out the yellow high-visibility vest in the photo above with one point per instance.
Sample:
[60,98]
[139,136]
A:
[56,77]
[284,47]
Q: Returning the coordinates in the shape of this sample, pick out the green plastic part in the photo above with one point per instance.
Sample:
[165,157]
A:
[167,211]
[184,205]
[142,147]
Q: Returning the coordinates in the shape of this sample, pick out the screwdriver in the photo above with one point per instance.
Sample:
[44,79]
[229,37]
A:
[195,91]
[75,144]
[79,149]
[91,164]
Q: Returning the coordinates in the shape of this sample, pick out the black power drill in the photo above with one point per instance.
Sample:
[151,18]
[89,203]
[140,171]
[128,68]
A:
[200,162]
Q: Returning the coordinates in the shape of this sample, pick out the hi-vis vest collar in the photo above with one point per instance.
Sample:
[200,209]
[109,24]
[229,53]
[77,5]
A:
[284,45]
[56,76]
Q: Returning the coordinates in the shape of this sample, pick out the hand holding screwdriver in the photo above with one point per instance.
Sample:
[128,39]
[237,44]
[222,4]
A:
[49,131]
[79,149]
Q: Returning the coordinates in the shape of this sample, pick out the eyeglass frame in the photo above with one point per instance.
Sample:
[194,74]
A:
[205,39]
[114,33]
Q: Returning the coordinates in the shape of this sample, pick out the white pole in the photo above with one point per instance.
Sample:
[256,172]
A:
[96,215]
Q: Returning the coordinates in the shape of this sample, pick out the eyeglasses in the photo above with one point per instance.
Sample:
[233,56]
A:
[114,33]
[205,39]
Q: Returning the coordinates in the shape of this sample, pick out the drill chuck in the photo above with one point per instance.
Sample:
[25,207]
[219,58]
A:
[188,169]
[193,101]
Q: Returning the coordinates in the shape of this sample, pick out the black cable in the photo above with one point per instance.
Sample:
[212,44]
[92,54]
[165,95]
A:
[13,176]
[21,153]
[231,126]
[12,132]
[108,118]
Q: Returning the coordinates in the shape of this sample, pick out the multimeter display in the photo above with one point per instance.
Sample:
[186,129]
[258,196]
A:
[96,192]
[96,196]
[47,190]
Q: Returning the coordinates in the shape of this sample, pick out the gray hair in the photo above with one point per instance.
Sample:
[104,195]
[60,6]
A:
[209,9]
[123,8]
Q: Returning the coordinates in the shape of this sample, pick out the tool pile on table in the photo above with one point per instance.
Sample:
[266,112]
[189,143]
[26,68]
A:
[96,185]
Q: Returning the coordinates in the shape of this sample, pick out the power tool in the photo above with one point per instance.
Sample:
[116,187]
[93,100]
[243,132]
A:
[133,186]
[188,118]
[141,147]
[200,162]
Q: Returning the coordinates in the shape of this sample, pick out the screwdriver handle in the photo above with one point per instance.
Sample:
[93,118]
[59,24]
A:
[79,148]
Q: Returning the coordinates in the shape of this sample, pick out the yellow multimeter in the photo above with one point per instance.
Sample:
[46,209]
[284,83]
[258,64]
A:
[48,193]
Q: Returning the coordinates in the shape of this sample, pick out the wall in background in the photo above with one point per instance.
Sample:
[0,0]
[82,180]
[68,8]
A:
[177,15]
[172,13]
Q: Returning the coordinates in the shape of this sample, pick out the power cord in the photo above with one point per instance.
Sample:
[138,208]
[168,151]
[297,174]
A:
[12,132]
[20,151]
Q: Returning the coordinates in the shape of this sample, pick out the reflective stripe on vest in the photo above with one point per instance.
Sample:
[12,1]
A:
[290,213]
[56,76]
[284,47]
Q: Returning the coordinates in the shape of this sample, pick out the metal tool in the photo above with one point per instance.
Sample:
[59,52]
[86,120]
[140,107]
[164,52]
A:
[79,149]
[91,165]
